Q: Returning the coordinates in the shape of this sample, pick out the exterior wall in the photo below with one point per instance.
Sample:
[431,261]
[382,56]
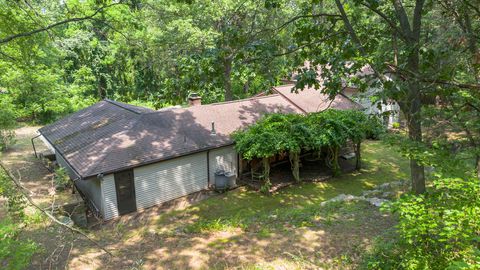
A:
[225,159]
[62,163]
[92,189]
[377,108]
[109,208]
[170,179]
[49,146]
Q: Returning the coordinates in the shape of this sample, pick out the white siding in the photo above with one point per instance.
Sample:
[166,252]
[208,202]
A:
[92,189]
[225,159]
[109,195]
[170,179]
[62,163]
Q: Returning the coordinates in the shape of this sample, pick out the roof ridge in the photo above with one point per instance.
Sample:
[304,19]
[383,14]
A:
[120,104]
[217,103]
[289,100]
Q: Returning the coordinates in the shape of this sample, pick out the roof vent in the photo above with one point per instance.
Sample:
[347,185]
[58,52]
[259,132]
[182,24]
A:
[213,132]
[194,99]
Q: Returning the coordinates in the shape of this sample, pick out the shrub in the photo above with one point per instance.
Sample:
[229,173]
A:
[62,180]
[375,128]
[438,230]
[396,125]
[14,254]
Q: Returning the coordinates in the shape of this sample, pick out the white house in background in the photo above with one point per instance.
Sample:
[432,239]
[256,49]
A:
[123,158]
[388,111]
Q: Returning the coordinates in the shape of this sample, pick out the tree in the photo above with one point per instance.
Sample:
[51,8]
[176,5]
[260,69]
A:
[399,41]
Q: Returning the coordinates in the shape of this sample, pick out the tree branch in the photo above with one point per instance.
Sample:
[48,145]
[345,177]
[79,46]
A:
[402,17]
[386,19]
[26,192]
[349,26]
[46,28]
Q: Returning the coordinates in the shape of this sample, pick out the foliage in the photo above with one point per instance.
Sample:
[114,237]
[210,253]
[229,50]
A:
[375,128]
[156,53]
[14,254]
[438,230]
[61,178]
[15,200]
[292,133]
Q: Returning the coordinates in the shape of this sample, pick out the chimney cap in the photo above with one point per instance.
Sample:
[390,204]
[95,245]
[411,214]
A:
[194,99]
[194,96]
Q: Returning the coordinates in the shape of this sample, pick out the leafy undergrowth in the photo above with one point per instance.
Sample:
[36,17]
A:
[297,205]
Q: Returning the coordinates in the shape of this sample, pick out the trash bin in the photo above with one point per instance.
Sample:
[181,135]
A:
[231,179]
[224,180]
[221,181]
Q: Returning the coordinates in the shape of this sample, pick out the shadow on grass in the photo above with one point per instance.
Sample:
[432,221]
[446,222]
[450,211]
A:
[242,227]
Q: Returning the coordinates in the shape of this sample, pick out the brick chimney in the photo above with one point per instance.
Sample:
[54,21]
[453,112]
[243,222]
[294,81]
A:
[194,99]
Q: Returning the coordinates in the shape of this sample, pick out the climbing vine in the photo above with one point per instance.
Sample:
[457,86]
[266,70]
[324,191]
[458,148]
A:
[291,133]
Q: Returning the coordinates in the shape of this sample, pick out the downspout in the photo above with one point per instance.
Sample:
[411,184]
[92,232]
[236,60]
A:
[33,145]
[208,168]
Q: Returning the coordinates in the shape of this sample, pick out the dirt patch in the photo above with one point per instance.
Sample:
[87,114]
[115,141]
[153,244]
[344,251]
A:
[20,160]
[333,240]
[337,242]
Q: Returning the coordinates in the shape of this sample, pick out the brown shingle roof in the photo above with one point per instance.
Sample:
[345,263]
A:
[111,136]
[310,100]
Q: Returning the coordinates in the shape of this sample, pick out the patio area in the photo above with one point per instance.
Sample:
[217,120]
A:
[312,169]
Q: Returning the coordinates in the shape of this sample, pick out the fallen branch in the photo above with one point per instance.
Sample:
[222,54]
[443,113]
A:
[26,192]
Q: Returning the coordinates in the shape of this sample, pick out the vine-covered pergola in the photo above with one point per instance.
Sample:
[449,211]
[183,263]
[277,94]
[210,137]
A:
[293,133]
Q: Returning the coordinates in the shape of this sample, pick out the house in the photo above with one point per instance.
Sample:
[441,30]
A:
[123,158]
[388,110]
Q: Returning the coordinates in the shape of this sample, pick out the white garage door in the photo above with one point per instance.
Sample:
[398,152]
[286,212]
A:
[224,159]
[170,179]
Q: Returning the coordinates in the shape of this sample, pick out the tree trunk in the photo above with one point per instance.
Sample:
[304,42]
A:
[477,165]
[334,161]
[227,78]
[358,164]
[295,165]
[266,170]
[415,134]
[413,100]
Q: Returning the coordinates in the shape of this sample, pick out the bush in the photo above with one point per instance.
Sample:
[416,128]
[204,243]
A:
[14,254]
[438,230]
[375,128]
[62,180]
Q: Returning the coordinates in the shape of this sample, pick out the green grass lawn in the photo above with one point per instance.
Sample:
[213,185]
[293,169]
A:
[298,205]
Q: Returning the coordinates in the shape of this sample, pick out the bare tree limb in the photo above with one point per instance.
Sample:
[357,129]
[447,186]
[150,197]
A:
[402,17]
[26,192]
[386,19]
[46,28]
